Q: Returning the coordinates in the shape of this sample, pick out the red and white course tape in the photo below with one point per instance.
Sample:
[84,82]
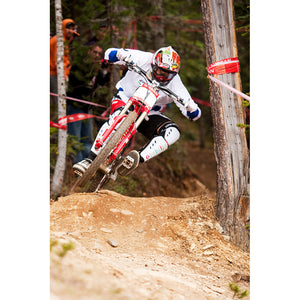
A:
[80,100]
[74,118]
[229,87]
[77,117]
[225,66]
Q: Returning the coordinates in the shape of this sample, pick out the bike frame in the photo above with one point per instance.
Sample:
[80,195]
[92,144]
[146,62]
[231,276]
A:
[141,108]
[140,103]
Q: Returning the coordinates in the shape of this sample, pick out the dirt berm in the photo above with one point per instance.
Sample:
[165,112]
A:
[110,246]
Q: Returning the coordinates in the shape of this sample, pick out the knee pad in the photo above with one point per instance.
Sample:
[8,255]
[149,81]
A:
[168,135]
[170,132]
[156,146]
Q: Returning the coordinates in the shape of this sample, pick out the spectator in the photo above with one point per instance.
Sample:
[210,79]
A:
[87,78]
[69,32]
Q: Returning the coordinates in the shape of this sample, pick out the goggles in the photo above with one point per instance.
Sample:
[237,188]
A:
[162,74]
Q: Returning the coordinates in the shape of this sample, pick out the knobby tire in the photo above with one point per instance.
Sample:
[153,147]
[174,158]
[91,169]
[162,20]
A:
[107,149]
[94,182]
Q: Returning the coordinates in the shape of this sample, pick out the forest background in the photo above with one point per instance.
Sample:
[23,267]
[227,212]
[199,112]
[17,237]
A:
[132,24]
[274,147]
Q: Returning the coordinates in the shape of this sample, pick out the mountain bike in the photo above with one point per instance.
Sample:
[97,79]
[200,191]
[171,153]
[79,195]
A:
[115,139]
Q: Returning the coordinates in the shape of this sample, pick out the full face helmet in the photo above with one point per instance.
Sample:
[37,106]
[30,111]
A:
[165,65]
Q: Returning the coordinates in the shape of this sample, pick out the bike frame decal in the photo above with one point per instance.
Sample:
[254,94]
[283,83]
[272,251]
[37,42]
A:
[139,106]
[151,89]
[109,130]
[147,95]
[125,139]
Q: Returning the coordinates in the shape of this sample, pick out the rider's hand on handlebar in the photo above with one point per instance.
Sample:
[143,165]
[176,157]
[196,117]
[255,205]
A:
[129,60]
[194,115]
[182,101]
[122,54]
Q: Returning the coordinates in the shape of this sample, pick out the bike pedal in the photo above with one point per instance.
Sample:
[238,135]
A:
[128,162]
[78,173]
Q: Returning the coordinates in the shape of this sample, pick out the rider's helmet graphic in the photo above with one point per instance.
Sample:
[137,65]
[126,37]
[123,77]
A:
[165,64]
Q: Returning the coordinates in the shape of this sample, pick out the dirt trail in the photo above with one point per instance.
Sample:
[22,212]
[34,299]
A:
[160,248]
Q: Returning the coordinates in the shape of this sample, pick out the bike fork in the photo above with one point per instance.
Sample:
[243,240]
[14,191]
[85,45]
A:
[102,181]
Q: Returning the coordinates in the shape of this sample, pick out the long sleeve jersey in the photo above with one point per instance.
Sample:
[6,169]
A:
[129,83]
[53,55]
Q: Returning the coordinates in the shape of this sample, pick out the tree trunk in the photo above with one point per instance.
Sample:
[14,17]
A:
[158,31]
[113,13]
[59,171]
[230,143]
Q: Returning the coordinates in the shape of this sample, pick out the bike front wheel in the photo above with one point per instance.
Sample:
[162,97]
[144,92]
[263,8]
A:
[104,154]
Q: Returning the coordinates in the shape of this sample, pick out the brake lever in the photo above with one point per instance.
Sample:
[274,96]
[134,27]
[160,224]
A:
[181,101]
[130,65]
[133,67]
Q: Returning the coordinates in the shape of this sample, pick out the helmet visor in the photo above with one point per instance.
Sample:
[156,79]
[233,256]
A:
[163,75]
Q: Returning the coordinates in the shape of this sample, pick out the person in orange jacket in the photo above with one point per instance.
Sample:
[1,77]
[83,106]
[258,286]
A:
[69,32]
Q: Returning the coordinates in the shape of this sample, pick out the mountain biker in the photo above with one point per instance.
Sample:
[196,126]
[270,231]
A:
[163,66]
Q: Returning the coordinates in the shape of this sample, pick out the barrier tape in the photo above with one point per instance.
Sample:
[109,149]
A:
[79,100]
[205,103]
[77,117]
[52,124]
[229,88]
[74,118]
[224,66]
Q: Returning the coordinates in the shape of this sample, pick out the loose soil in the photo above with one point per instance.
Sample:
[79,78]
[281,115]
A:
[152,246]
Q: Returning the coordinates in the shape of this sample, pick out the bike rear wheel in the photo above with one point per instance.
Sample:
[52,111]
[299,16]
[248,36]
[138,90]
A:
[97,182]
[113,141]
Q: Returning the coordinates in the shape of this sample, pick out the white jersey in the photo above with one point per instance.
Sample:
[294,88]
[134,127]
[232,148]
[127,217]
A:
[129,83]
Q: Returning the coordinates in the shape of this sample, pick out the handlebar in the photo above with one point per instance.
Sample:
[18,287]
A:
[133,67]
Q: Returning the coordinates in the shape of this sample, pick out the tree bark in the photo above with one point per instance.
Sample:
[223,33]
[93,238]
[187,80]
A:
[158,32]
[113,13]
[59,171]
[230,143]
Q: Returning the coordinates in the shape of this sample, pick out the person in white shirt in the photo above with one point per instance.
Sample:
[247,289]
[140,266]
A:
[163,66]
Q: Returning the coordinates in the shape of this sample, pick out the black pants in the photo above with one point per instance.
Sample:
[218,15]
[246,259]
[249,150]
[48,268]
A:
[155,125]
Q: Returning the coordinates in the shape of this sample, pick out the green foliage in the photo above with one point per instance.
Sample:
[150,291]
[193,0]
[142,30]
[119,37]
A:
[236,291]
[247,227]
[243,125]
[125,185]
[73,146]
[246,103]
[242,18]
[61,249]
[53,243]
[116,291]
[65,247]
[185,37]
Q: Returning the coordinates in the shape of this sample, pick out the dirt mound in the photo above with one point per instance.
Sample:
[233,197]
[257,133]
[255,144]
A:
[141,248]
[185,170]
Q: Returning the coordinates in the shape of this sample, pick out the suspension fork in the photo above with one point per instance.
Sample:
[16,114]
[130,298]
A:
[138,107]
[125,139]
[127,106]
[117,120]
[110,129]
[140,119]
[132,130]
